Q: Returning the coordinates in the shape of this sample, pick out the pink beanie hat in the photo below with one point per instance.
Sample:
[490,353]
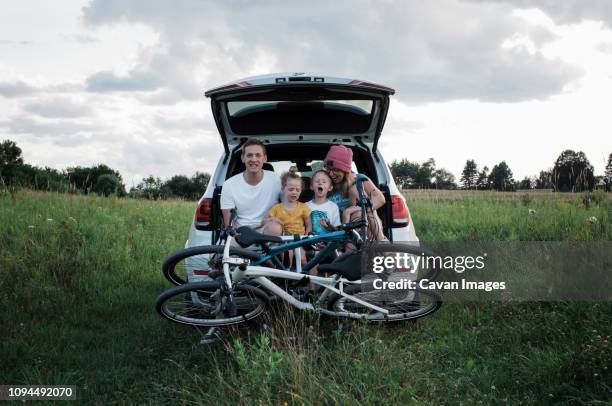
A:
[339,157]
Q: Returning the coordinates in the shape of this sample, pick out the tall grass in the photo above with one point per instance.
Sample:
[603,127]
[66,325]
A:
[78,277]
[505,216]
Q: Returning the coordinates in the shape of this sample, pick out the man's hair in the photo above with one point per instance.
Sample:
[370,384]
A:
[291,174]
[254,141]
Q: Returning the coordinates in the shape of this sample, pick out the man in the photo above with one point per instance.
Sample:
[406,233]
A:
[252,193]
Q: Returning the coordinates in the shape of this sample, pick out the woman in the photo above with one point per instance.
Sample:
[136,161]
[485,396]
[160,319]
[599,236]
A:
[338,164]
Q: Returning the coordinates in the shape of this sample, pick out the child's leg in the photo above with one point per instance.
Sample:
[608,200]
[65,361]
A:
[293,253]
[313,272]
[290,256]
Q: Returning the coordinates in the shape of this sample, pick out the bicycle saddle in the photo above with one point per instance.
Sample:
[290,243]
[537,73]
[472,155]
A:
[246,236]
[347,265]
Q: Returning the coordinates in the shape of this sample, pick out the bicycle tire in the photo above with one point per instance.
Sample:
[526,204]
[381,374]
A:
[412,304]
[200,304]
[179,265]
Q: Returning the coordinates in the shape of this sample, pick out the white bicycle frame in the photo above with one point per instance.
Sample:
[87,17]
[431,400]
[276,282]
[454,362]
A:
[260,274]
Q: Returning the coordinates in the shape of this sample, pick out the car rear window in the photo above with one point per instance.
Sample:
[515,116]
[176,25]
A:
[308,117]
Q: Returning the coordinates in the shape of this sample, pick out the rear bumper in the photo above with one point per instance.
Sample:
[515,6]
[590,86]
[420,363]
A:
[198,237]
[406,235]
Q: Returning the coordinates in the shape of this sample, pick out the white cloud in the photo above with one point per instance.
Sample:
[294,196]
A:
[121,82]
[16,89]
[135,81]
[428,54]
[564,11]
[59,107]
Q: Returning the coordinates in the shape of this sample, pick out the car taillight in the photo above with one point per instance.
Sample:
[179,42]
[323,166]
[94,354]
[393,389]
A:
[401,215]
[203,212]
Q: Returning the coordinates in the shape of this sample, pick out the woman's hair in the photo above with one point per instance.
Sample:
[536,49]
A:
[347,182]
[291,174]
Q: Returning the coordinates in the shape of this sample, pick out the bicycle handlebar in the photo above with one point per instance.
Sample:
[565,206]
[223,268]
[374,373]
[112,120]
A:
[352,225]
[229,230]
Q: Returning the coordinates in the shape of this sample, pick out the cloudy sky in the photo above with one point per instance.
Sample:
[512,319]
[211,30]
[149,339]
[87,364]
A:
[121,82]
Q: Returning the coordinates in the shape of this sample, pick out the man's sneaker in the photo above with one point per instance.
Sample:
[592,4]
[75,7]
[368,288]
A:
[213,335]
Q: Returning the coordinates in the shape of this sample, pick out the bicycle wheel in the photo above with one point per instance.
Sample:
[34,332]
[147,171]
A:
[202,304]
[182,266]
[402,305]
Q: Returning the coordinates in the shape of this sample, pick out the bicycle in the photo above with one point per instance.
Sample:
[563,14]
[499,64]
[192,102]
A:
[241,282]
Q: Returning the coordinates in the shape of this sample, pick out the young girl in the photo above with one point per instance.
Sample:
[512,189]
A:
[324,214]
[292,215]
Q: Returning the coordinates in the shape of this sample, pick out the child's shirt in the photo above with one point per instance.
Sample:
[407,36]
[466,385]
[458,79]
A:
[293,220]
[328,210]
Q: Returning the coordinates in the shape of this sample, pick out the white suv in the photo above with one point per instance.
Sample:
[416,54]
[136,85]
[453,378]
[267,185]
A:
[298,116]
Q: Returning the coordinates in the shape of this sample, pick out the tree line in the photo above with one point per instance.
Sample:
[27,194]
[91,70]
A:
[412,175]
[99,179]
[571,172]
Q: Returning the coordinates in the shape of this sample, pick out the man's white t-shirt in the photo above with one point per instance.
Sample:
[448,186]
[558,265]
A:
[328,210]
[251,202]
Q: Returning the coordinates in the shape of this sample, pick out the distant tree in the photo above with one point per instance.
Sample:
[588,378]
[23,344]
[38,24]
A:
[500,177]
[200,182]
[10,161]
[544,180]
[179,186]
[482,182]
[608,174]
[426,174]
[10,153]
[526,183]
[469,176]
[573,172]
[107,185]
[47,179]
[84,178]
[150,188]
[408,175]
[443,179]
[405,173]
[184,187]
[17,173]
[153,188]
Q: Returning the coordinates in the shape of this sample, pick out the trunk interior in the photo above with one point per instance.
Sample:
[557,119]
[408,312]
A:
[294,154]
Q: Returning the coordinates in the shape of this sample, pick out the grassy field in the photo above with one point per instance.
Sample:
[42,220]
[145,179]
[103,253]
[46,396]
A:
[79,275]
